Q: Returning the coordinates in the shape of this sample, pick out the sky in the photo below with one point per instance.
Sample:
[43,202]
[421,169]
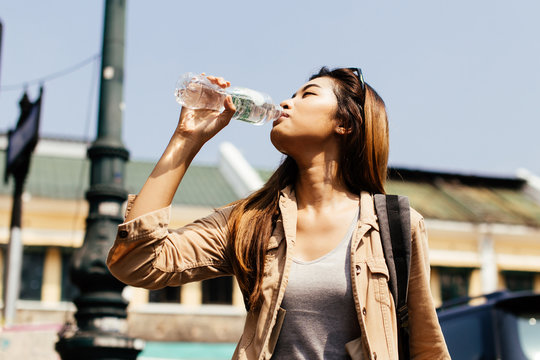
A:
[460,79]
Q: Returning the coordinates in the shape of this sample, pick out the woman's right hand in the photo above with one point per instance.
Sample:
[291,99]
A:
[201,125]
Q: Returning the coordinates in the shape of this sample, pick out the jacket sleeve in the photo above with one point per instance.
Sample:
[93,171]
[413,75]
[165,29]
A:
[426,338]
[146,253]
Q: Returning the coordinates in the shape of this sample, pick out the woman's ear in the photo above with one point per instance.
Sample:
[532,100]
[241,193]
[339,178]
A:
[342,130]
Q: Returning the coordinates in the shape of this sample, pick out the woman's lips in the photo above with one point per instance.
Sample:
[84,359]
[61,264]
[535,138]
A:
[278,120]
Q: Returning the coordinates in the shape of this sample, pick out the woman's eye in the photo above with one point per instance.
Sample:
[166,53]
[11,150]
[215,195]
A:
[307,93]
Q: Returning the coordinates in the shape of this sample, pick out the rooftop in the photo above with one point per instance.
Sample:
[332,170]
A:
[68,178]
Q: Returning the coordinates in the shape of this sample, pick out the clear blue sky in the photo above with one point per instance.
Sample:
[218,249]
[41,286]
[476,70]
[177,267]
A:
[461,79]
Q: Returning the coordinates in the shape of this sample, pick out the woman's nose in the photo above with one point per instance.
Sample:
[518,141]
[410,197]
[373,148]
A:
[286,104]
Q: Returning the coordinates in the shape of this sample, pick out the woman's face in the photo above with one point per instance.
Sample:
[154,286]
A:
[308,123]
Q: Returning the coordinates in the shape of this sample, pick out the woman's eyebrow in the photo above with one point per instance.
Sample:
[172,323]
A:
[305,88]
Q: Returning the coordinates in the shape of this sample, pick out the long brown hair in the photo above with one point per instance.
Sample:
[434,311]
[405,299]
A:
[362,166]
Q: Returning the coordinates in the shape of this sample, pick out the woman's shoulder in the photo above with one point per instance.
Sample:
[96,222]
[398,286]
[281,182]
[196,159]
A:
[416,216]
[417,219]
[223,213]
[227,209]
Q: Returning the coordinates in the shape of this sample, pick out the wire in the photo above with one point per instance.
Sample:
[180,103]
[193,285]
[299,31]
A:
[52,76]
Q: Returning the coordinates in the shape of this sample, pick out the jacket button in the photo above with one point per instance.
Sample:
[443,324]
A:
[358,268]
[123,234]
[364,311]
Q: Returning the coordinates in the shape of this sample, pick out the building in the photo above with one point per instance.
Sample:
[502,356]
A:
[484,235]
[484,232]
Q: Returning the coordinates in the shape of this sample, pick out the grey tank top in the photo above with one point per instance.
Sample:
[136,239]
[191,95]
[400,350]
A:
[320,314]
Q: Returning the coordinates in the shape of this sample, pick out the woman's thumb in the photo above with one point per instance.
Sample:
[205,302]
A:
[230,109]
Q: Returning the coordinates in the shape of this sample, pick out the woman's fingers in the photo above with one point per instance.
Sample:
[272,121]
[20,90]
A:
[203,124]
[219,81]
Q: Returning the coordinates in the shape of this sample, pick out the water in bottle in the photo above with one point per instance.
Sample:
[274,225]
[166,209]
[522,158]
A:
[197,92]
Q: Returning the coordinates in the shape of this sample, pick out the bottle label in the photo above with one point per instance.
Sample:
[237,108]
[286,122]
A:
[244,108]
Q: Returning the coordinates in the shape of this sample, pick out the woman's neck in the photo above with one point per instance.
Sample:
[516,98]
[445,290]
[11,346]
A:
[319,187]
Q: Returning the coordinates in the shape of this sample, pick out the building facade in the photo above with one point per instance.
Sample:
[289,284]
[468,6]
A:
[484,235]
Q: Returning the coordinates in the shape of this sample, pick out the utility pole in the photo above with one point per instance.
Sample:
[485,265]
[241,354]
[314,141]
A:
[21,143]
[101,310]
[15,246]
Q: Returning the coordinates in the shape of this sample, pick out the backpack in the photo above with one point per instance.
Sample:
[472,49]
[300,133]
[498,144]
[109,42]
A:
[393,212]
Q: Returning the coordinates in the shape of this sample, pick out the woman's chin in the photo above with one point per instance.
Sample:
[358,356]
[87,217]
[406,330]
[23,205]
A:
[278,140]
[274,137]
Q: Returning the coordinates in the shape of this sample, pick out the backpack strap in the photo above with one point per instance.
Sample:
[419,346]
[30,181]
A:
[395,228]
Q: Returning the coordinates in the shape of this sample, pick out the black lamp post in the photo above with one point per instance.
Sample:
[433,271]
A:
[101,310]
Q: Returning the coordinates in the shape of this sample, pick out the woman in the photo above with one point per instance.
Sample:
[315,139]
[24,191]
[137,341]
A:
[305,248]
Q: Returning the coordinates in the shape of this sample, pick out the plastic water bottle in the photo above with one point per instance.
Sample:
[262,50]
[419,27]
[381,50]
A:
[197,92]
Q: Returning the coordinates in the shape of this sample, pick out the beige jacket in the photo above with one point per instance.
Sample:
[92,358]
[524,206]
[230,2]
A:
[148,254]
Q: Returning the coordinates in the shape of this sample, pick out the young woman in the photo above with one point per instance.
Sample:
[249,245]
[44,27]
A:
[305,248]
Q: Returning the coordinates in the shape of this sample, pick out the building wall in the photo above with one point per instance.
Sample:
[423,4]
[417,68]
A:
[487,251]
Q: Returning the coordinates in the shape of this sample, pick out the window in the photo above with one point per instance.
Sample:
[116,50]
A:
[69,290]
[217,291]
[32,273]
[454,282]
[519,280]
[168,294]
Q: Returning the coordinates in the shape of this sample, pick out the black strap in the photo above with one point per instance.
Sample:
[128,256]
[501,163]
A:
[398,246]
[394,221]
[402,272]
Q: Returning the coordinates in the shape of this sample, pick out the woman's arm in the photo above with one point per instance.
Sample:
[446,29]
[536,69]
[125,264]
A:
[146,253]
[195,127]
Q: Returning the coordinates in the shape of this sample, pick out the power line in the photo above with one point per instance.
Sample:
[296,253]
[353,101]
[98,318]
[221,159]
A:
[52,76]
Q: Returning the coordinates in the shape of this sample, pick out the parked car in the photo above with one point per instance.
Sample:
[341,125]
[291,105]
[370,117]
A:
[505,326]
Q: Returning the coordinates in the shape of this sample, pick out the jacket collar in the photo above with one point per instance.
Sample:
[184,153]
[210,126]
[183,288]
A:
[288,193]
[367,210]
[289,213]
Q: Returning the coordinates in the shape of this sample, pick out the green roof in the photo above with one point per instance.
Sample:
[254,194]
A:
[456,197]
[68,178]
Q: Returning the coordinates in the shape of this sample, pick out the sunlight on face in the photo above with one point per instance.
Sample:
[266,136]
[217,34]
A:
[309,118]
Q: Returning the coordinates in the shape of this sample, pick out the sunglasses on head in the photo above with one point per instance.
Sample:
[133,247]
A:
[360,76]
[358,73]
